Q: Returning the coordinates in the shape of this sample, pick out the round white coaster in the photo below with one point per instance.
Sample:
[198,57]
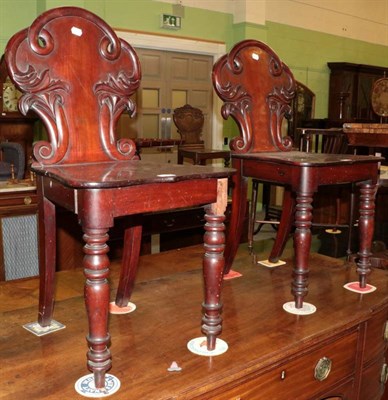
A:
[198,346]
[85,386]
[333,231]
[307,308]
[113,309]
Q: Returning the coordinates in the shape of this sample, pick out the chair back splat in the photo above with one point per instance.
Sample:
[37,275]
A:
[80,106]
[258,105]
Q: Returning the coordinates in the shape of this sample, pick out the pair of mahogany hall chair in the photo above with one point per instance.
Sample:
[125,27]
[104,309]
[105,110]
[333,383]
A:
[78,76]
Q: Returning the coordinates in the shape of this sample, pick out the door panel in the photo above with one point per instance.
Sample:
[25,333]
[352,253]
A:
[169,80]
[179,67]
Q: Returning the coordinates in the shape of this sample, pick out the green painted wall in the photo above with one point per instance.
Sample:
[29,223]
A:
[306,52]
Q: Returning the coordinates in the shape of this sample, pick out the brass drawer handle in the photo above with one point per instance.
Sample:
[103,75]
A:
[322,369]
[386,331]
[27,200]
[384,374]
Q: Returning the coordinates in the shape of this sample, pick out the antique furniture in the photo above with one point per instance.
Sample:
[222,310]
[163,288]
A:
[257,88]
[14,126]
[272,355]
[350,92]
[326,141]
[303,106]
[18,230]
[368,135]
[303,110]
[78,77]
[189,122]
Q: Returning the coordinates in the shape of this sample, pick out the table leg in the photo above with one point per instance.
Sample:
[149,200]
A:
[366,225]
[302,245]
[96,270]
[213,265]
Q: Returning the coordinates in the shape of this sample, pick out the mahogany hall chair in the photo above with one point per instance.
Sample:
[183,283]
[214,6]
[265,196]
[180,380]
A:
[303,108]
[257,88]
[189,122]
[78,76]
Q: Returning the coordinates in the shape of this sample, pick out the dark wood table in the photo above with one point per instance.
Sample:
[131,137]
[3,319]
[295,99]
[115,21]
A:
[272,355]
[199,156]
[368,135]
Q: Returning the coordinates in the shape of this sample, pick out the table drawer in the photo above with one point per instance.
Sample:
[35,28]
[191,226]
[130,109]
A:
[295,379]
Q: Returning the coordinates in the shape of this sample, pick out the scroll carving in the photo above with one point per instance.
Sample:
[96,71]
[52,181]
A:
[252,61]
[49,94]
[113,97]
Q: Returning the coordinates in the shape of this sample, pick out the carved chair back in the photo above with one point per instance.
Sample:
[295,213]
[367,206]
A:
[303,109]
[78,76]
[189,122]
[257,89]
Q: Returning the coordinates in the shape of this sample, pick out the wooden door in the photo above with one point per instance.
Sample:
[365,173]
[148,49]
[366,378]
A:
[169,80]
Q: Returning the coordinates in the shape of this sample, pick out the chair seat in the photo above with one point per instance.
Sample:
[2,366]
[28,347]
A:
[125,173]
[306,159]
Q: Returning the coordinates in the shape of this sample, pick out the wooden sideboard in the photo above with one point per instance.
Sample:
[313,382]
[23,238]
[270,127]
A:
[272,354]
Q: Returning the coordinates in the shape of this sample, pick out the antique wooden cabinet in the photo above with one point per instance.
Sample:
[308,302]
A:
[337,353]
[350,92]
[18,230]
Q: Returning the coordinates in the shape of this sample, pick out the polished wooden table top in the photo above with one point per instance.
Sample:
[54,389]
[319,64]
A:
[145,342]
[370,135]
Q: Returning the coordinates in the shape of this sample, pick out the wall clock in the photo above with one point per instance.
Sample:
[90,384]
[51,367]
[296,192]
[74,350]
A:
[10,96]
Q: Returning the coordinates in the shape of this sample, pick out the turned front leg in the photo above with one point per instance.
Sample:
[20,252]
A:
[96,270]
[213,266]
[302,245]
[366,225]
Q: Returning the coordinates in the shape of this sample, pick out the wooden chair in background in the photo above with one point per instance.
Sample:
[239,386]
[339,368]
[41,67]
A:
[189,122]
[257,89]
[78,76]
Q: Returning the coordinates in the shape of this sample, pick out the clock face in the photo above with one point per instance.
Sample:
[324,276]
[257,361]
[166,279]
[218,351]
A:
[10,97]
